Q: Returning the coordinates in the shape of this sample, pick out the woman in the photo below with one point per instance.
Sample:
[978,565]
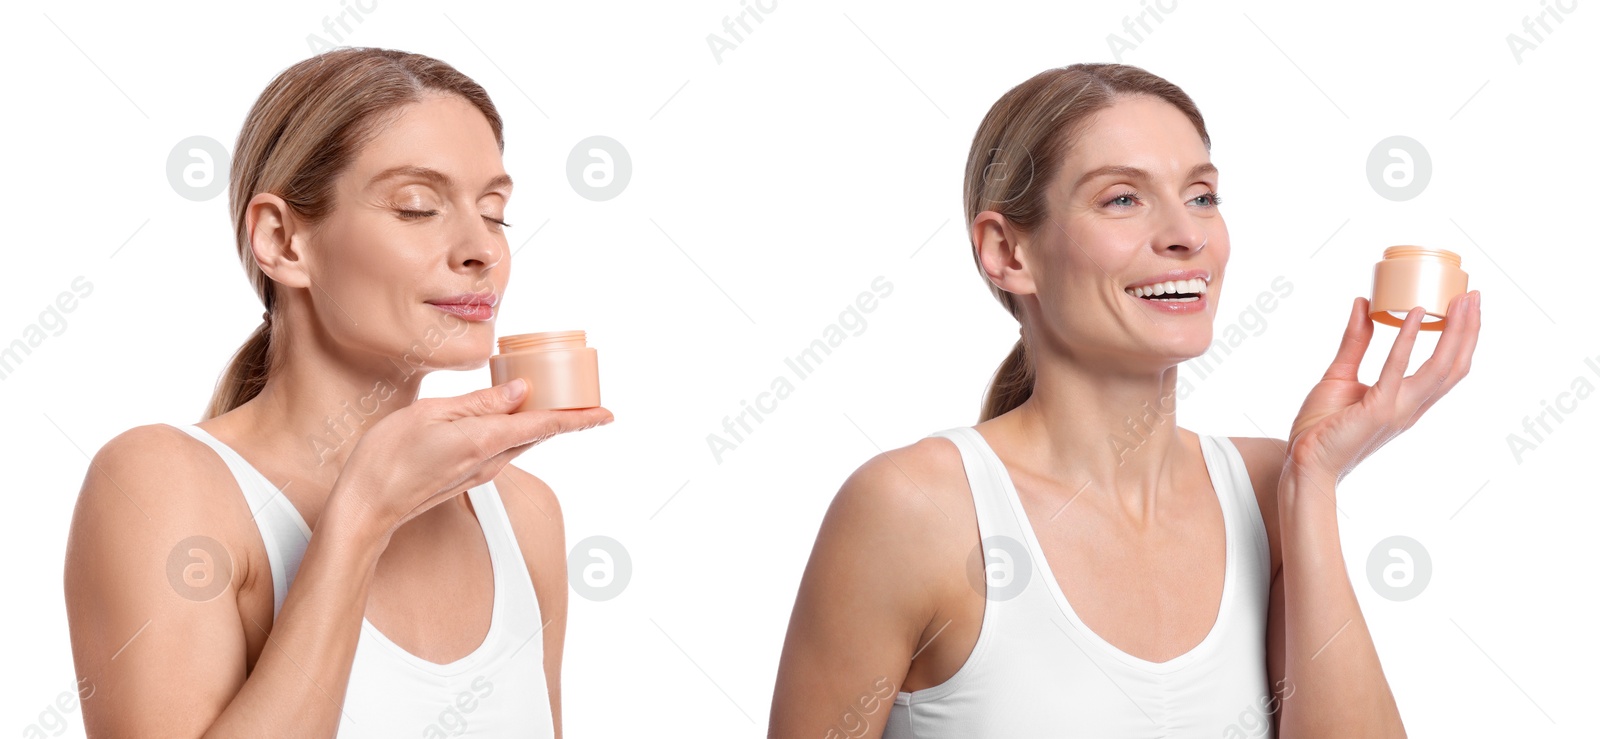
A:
[368,200]
[1133,578]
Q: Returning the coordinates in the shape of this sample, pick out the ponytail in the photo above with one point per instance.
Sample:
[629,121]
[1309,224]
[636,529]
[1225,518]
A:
[246,373]
[1012,383]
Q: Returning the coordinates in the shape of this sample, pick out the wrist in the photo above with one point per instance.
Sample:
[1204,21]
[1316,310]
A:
[350,519]
[1306,501]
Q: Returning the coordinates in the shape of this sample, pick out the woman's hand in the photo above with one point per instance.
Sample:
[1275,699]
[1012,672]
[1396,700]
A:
[436,448]
[1343,421]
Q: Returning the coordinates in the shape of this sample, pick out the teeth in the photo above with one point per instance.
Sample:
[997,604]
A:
[1194,286]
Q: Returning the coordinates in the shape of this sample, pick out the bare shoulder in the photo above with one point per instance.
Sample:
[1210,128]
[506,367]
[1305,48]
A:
[908,511]
[155,550]
[157,472]
[535,515]
[914,492]
[528,500]
[889,557]
[1264,458]
[146,490]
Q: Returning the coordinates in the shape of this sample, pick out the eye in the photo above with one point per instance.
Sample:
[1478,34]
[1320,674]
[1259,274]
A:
[419,214]
[1215,199]
[1128,194]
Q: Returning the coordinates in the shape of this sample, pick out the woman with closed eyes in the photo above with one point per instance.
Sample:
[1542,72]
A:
[1076,564]
[325,553]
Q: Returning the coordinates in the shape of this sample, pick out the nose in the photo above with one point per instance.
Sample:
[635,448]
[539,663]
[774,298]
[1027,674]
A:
[478,247]
[1187,243]
[1181,232]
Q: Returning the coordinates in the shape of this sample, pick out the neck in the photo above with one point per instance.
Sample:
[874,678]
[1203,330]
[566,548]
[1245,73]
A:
[1115,431]
[314,409]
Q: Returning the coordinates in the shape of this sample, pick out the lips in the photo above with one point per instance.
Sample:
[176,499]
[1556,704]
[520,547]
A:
[1175,292]
[469,306]
[1175,275]
[484,298]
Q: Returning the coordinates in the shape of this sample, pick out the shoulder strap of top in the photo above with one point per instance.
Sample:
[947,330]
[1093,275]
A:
[283,531]
[513,579]
[1234,474]
[498,531]
[989,498]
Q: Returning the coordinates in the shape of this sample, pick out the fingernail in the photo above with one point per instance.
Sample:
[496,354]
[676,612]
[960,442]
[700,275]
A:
[514,389]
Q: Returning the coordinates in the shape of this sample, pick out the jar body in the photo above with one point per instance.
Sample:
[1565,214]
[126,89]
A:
[1411,276]
[562,377]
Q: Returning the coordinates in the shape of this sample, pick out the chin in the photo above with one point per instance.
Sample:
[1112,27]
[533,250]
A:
[463,348]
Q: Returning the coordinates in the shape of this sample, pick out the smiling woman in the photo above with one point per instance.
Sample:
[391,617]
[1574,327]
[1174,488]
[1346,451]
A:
[1031,576]
[325,553]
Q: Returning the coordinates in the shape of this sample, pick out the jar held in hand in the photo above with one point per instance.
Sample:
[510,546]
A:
[1411,276]
[561,371]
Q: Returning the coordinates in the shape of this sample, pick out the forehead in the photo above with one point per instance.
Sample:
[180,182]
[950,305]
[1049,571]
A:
[441,132]
[1136,131]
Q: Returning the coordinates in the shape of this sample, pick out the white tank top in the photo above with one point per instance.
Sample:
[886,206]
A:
[1037,670]
[497,690]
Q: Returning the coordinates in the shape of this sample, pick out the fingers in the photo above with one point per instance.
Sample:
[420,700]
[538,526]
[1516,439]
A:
[1453,352]
[1357,334]
[1440,369]
[533,426]
[501,398]
[1394,368]
[1469,342]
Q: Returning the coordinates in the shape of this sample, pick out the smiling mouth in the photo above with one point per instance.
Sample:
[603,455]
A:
[1171,291]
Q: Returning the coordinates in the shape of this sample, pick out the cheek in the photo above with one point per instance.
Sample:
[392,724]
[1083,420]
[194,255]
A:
[364,265]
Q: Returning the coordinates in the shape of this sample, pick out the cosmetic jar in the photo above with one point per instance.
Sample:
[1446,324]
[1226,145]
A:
[561,371]
[1409,276]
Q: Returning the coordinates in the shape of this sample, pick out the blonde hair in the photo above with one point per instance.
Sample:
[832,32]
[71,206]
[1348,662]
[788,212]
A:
[304,131]
[1015,156]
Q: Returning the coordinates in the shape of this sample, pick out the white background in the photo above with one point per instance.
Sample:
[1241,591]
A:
[769,190]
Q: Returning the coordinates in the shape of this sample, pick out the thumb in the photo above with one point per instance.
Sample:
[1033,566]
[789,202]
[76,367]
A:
[498,399]
[513,391]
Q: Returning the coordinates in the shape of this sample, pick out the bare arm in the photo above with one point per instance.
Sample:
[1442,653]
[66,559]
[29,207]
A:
[161,642]
[1338,682]
[865,600]
[1264,458]
[536,516]
[1339,685]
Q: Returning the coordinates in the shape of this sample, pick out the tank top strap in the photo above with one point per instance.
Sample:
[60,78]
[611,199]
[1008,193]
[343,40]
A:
[1232,476]
[516,602]
[283,531]
[989,500]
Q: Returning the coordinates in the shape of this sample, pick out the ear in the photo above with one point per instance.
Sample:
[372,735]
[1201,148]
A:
[1001,253]
[277,238]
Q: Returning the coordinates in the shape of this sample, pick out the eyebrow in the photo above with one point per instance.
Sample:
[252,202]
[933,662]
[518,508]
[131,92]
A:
[1135,173]
[433,176]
